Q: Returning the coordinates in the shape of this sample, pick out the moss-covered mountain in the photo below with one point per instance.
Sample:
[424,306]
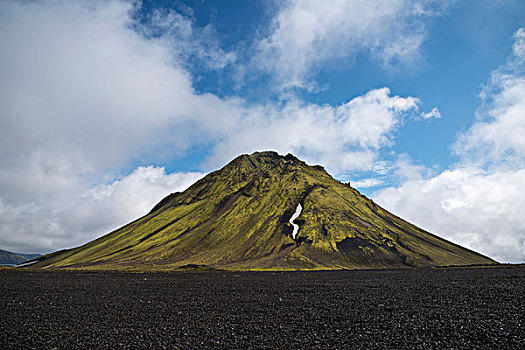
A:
[238,218]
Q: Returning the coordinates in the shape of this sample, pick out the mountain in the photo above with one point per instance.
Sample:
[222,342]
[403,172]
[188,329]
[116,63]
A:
[12,259]
[240,217]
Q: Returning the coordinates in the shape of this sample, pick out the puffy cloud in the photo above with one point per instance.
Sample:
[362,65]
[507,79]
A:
[78,80]
[344,137]
[306,34]
[501,134]
[477,209]
[434,113]
[135,194]
[73,218]
[479,202]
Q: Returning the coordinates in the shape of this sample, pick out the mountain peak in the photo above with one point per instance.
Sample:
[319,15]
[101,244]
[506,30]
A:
[270,160]
[266,157]
[267,211]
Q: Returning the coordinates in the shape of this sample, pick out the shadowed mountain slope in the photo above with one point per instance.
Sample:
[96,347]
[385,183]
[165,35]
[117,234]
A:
[11,259]
[238,218]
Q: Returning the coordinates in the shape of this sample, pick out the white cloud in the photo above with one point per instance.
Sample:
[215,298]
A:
[434,113]
[190,45]
[404,169]
[346,137]
[474,208]
[306,34]
[137,193]
[77,217]
[78,80]
[479,202]
[498,134]
[518,48]
[366,183]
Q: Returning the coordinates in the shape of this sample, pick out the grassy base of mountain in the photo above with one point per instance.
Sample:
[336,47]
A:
[237,218]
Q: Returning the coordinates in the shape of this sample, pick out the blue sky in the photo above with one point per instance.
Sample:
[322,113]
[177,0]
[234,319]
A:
[111,105]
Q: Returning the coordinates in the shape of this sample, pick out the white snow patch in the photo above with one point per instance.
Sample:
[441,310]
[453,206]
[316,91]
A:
[26,263]
[295,216]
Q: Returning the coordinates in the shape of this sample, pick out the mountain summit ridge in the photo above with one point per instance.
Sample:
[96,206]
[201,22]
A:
[238,218]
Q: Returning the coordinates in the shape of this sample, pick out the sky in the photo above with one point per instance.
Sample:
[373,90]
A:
[108,106]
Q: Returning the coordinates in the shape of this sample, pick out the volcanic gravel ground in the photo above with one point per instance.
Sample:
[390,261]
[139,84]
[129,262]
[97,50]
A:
[414,309]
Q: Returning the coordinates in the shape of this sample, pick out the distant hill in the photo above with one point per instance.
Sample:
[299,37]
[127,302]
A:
[266,211]
[11,259]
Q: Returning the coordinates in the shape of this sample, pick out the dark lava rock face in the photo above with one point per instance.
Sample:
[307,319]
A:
[395,309]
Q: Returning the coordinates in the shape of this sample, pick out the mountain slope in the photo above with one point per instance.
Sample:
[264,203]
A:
[238,218]
[10,258]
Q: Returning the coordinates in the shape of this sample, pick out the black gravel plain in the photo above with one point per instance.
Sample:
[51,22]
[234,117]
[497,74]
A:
[480,308]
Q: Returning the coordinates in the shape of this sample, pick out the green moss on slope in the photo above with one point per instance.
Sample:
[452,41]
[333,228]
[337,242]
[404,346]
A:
[237,218]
